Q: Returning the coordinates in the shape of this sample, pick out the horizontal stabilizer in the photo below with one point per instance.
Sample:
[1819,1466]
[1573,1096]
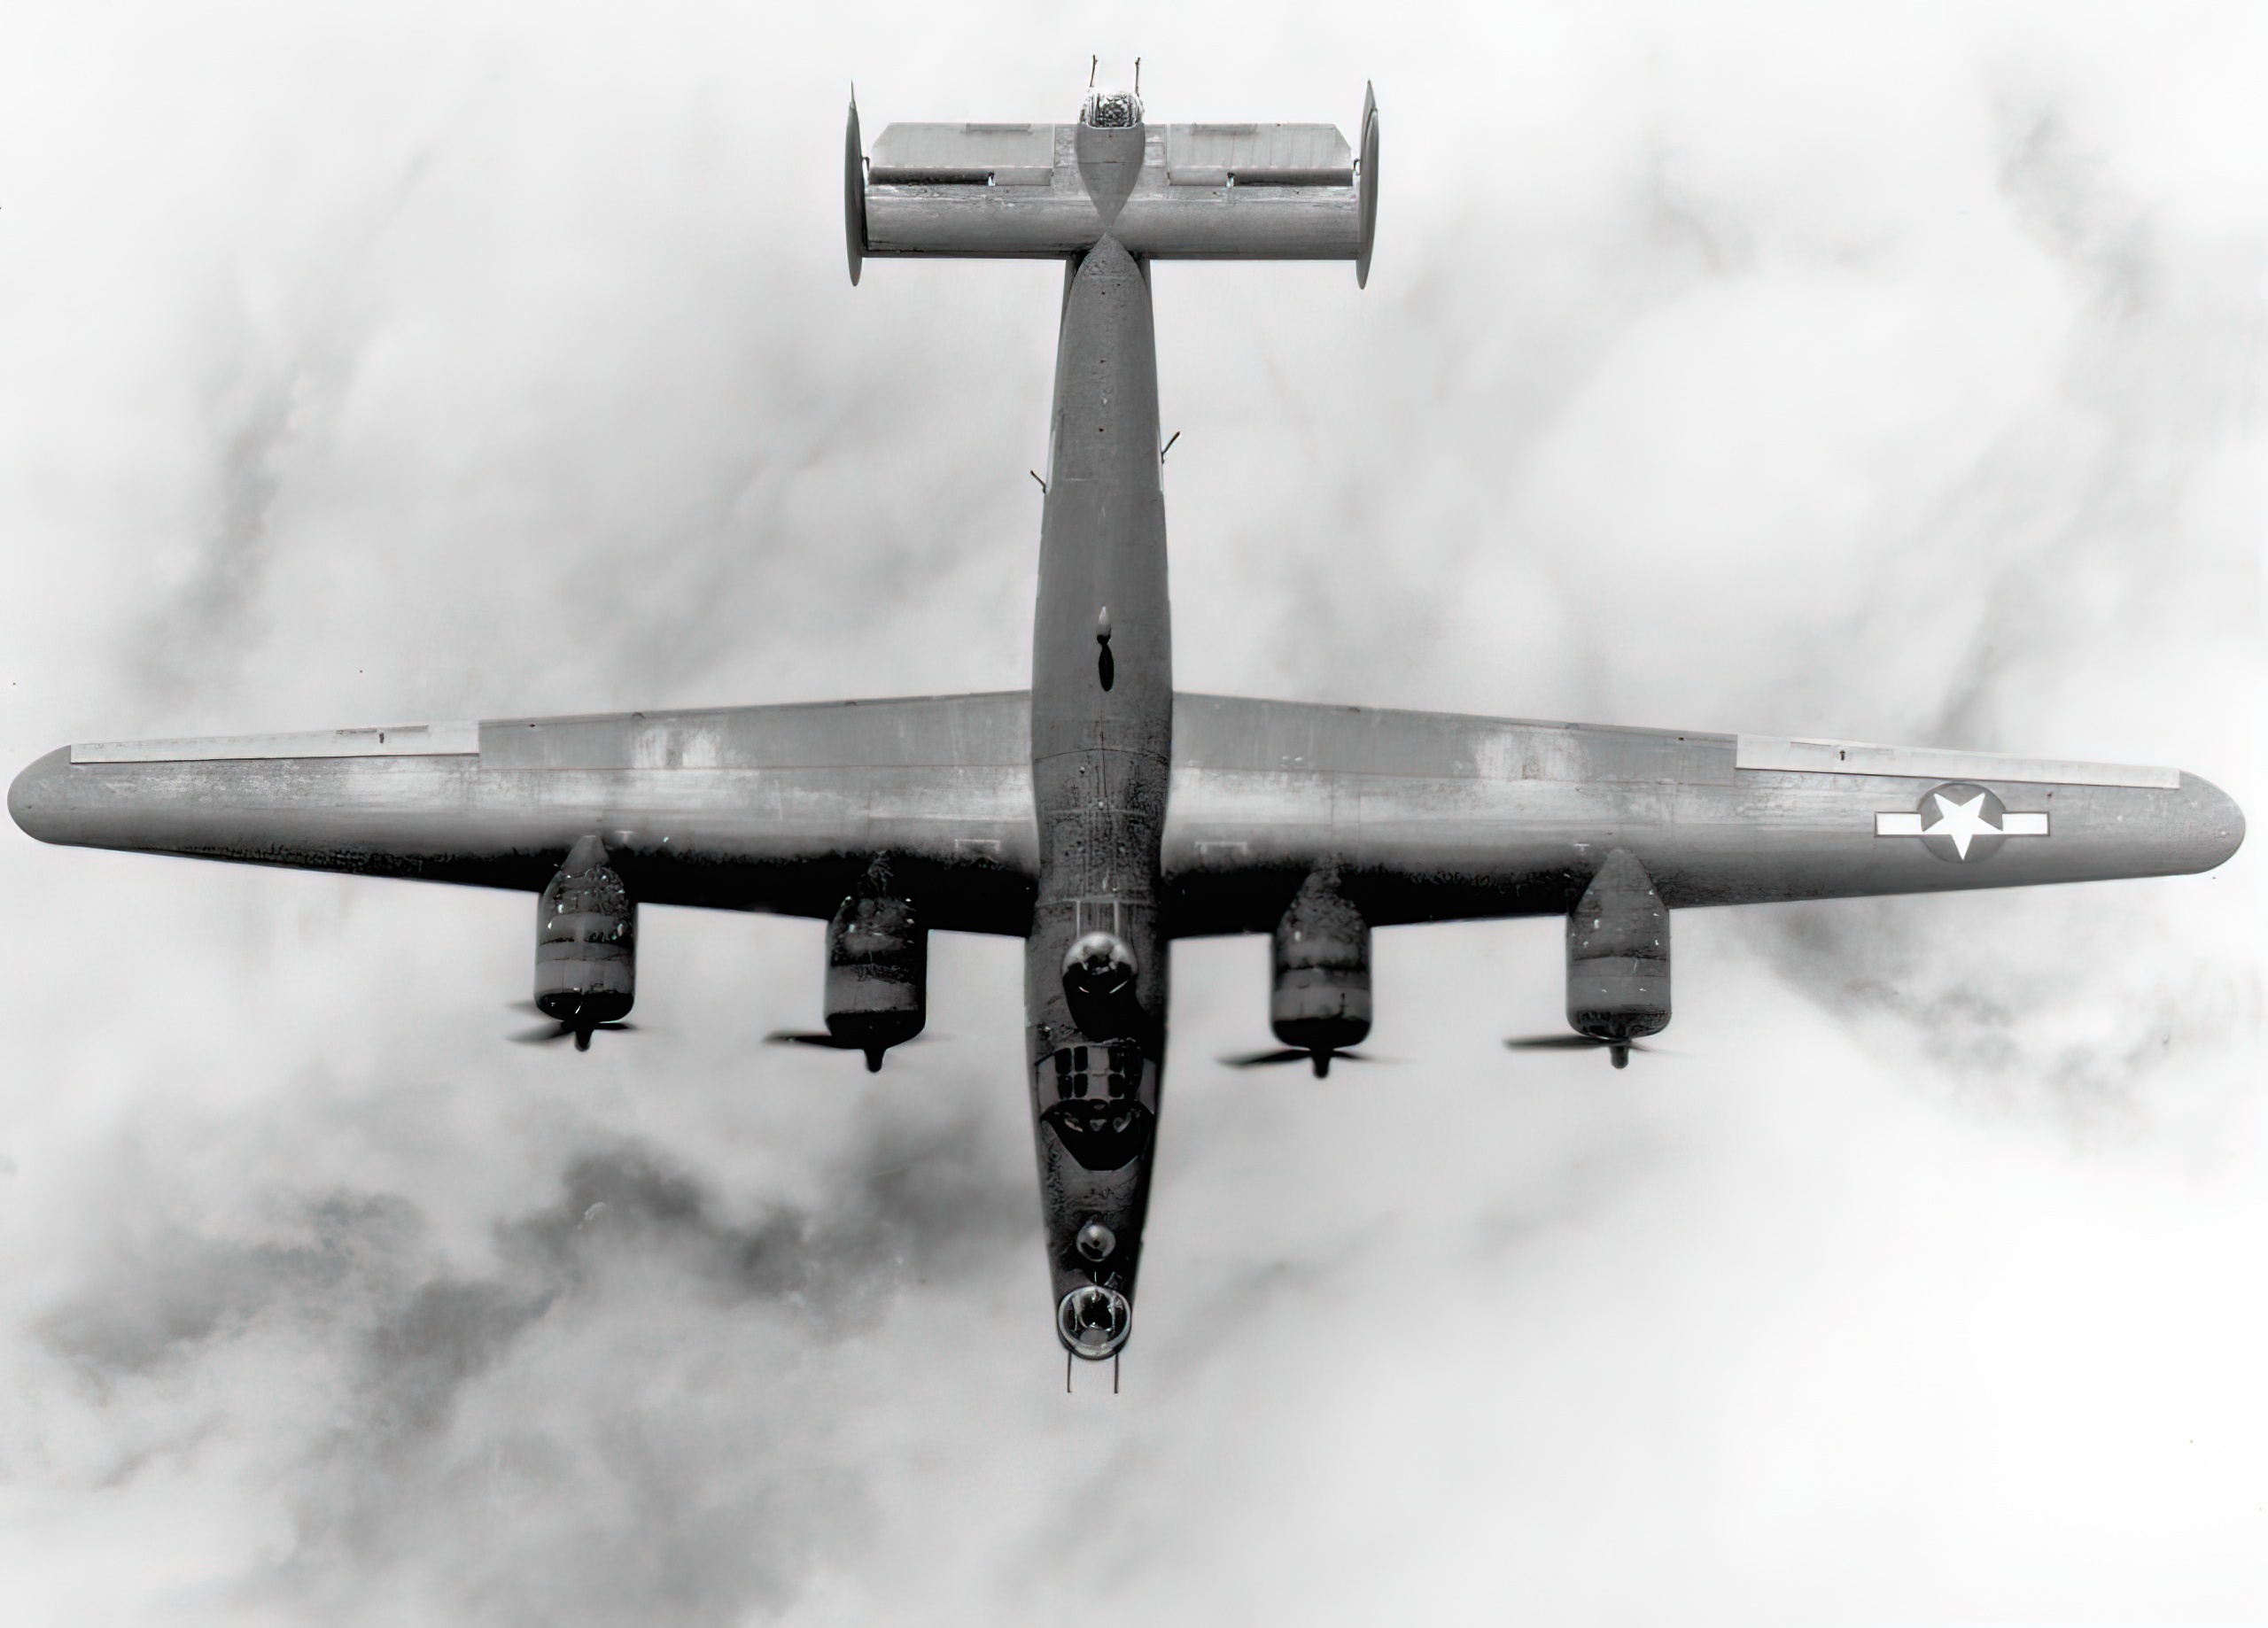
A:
[1198,192]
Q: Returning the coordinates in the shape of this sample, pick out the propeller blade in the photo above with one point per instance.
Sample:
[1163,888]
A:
[1620,1050]
[568,1031]
[821,1037]
[1320,1061]
[809,1037]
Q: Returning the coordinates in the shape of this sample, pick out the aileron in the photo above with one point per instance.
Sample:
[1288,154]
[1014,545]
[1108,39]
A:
[379,741]
[1802,757]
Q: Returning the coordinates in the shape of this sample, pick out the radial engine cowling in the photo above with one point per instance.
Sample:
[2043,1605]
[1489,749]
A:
[1320,999]
[585,943]
[1618,957]
[877,974]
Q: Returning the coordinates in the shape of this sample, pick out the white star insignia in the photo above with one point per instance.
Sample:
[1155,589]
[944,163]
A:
[1963,822]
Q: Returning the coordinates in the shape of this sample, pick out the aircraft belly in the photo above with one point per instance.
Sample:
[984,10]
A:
[1102,707]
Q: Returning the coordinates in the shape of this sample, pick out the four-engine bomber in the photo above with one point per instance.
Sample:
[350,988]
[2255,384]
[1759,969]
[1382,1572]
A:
[1100,814]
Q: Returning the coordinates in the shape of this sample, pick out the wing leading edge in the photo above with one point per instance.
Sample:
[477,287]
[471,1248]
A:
[1427,816]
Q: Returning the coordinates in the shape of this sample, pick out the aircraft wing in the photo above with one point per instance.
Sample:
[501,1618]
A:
[1429,817]
[1434,816]
[746,807]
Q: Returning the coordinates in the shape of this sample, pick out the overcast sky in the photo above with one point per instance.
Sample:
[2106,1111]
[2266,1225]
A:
[1893,375]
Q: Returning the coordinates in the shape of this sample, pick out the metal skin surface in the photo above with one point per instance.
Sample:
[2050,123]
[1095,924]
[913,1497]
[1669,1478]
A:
[1618,957]
[1101,755]
[1319,993]
[877,994]
[1099,815]
[1432,817]
[585,944]
[775,809]
[987,202]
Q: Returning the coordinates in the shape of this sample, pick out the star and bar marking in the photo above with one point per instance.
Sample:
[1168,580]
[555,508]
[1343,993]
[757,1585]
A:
[1961,823]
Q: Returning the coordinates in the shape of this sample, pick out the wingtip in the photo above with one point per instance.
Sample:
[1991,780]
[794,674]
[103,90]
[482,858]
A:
[36,797]
[2221,824]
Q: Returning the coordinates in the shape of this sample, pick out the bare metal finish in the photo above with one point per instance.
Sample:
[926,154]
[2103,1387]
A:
[1100,814]
[1195,192]
[877,992]
[383,740]
[585,944]
[1319,998]
[854,193]
[1915,763]
[1367,202]
[1618,957]
[1432,817]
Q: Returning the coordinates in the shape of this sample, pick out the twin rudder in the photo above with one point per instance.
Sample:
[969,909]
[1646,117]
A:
[1203,191]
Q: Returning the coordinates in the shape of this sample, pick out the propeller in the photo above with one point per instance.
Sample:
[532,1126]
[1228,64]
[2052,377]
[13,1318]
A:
[1622,1049]
[558,1029]
[1321,1059]
[821,1037]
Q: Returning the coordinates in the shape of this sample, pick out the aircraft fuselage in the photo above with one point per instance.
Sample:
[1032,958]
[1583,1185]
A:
[1101,754]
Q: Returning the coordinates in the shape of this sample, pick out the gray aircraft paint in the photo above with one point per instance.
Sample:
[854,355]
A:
[1440,817]
[1121,807]
[1101,755]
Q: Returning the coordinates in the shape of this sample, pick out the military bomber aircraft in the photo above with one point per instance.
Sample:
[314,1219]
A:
[1099,815]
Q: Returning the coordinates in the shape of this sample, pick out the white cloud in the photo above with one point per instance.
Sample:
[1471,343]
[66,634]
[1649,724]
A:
[1896,378]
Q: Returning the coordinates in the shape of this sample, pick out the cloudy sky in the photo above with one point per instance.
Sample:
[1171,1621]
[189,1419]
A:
[1894,374]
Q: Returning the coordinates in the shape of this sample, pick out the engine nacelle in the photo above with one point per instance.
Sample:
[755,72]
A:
[1320,999]
[877,972]
[1618,957]
[585,943]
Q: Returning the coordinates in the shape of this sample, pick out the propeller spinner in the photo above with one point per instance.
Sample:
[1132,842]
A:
[575,1026]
